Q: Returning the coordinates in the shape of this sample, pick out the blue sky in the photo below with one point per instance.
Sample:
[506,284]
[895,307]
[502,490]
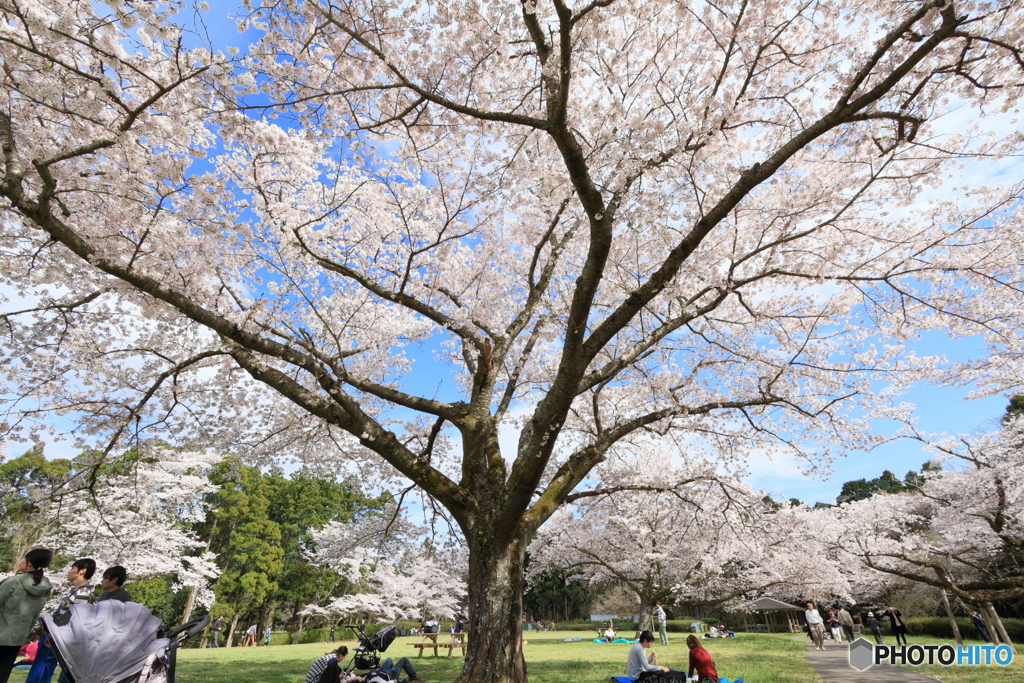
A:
[939,409]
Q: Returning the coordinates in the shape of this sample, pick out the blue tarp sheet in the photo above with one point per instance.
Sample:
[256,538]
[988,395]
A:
[625,679]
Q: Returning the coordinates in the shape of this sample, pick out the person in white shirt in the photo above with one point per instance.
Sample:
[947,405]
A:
[661,623]
[609,633]
[816,626]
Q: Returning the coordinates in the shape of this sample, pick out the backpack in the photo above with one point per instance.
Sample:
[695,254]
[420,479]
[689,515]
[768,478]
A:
[379,677]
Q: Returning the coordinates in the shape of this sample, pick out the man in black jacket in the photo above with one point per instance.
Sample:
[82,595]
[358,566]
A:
[979,623]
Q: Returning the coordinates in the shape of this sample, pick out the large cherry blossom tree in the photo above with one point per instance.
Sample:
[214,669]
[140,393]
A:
[600,218]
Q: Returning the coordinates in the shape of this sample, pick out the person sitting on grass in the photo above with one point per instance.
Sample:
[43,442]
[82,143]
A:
[393,671]
[28,651]
[700,659]
[640,667]
[327,669]
[609,633]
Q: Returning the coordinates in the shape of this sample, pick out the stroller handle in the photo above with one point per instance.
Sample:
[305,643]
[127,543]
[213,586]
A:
[193,627]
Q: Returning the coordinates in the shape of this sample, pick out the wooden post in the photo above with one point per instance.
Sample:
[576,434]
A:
[952,619]
[999,628]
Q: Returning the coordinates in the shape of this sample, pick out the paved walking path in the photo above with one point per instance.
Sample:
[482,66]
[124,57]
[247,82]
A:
[834,666]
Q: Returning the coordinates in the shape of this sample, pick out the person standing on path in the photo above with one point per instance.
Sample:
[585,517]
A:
[872,624]
[846,621]
[662,630]
[218,626]
[899,627]
[22,597]
[46,661]
[979,623]
[816,626]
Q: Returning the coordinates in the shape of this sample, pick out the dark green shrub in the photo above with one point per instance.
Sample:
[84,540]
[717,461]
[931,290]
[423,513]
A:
[938,627]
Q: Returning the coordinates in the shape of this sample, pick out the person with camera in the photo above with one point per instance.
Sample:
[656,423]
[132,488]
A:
[327,669]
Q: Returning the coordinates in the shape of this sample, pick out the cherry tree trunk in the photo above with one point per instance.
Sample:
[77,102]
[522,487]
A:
[494,653]
[189,605]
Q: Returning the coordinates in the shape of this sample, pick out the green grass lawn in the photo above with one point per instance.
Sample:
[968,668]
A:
[755,658]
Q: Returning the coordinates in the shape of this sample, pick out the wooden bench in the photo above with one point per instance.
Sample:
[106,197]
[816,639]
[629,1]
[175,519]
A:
[451,647]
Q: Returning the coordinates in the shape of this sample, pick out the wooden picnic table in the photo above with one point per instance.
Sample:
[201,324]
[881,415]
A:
[458,640]
[429,640]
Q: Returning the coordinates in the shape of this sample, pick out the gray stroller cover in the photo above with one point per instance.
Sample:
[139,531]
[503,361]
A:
[108,642]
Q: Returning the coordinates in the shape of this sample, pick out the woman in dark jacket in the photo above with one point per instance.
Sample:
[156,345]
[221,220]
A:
[22,597]
[899,627]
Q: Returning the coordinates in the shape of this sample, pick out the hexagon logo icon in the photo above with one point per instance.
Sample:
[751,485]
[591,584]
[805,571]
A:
[862,654]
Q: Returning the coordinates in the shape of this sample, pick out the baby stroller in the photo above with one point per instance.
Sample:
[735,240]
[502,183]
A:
[116,642]
[367,653]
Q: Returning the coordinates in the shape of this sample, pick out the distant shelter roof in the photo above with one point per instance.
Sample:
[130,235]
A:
[764,605]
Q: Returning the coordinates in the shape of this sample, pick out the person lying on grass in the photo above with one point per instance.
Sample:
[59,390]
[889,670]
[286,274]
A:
[639,666]
[393,670]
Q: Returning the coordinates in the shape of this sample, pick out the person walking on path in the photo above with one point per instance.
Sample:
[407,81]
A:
[846,622]
[79,574]
[250,637]
[267,635]
[899,627]
[815,626]
[979,623]
[331,636]
[218,626]
[22,597]
[872,623]
[834,627]
[700,660]
[662,629]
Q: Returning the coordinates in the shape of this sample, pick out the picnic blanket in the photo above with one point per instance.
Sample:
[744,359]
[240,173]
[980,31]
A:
[617,640]
[626,679]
